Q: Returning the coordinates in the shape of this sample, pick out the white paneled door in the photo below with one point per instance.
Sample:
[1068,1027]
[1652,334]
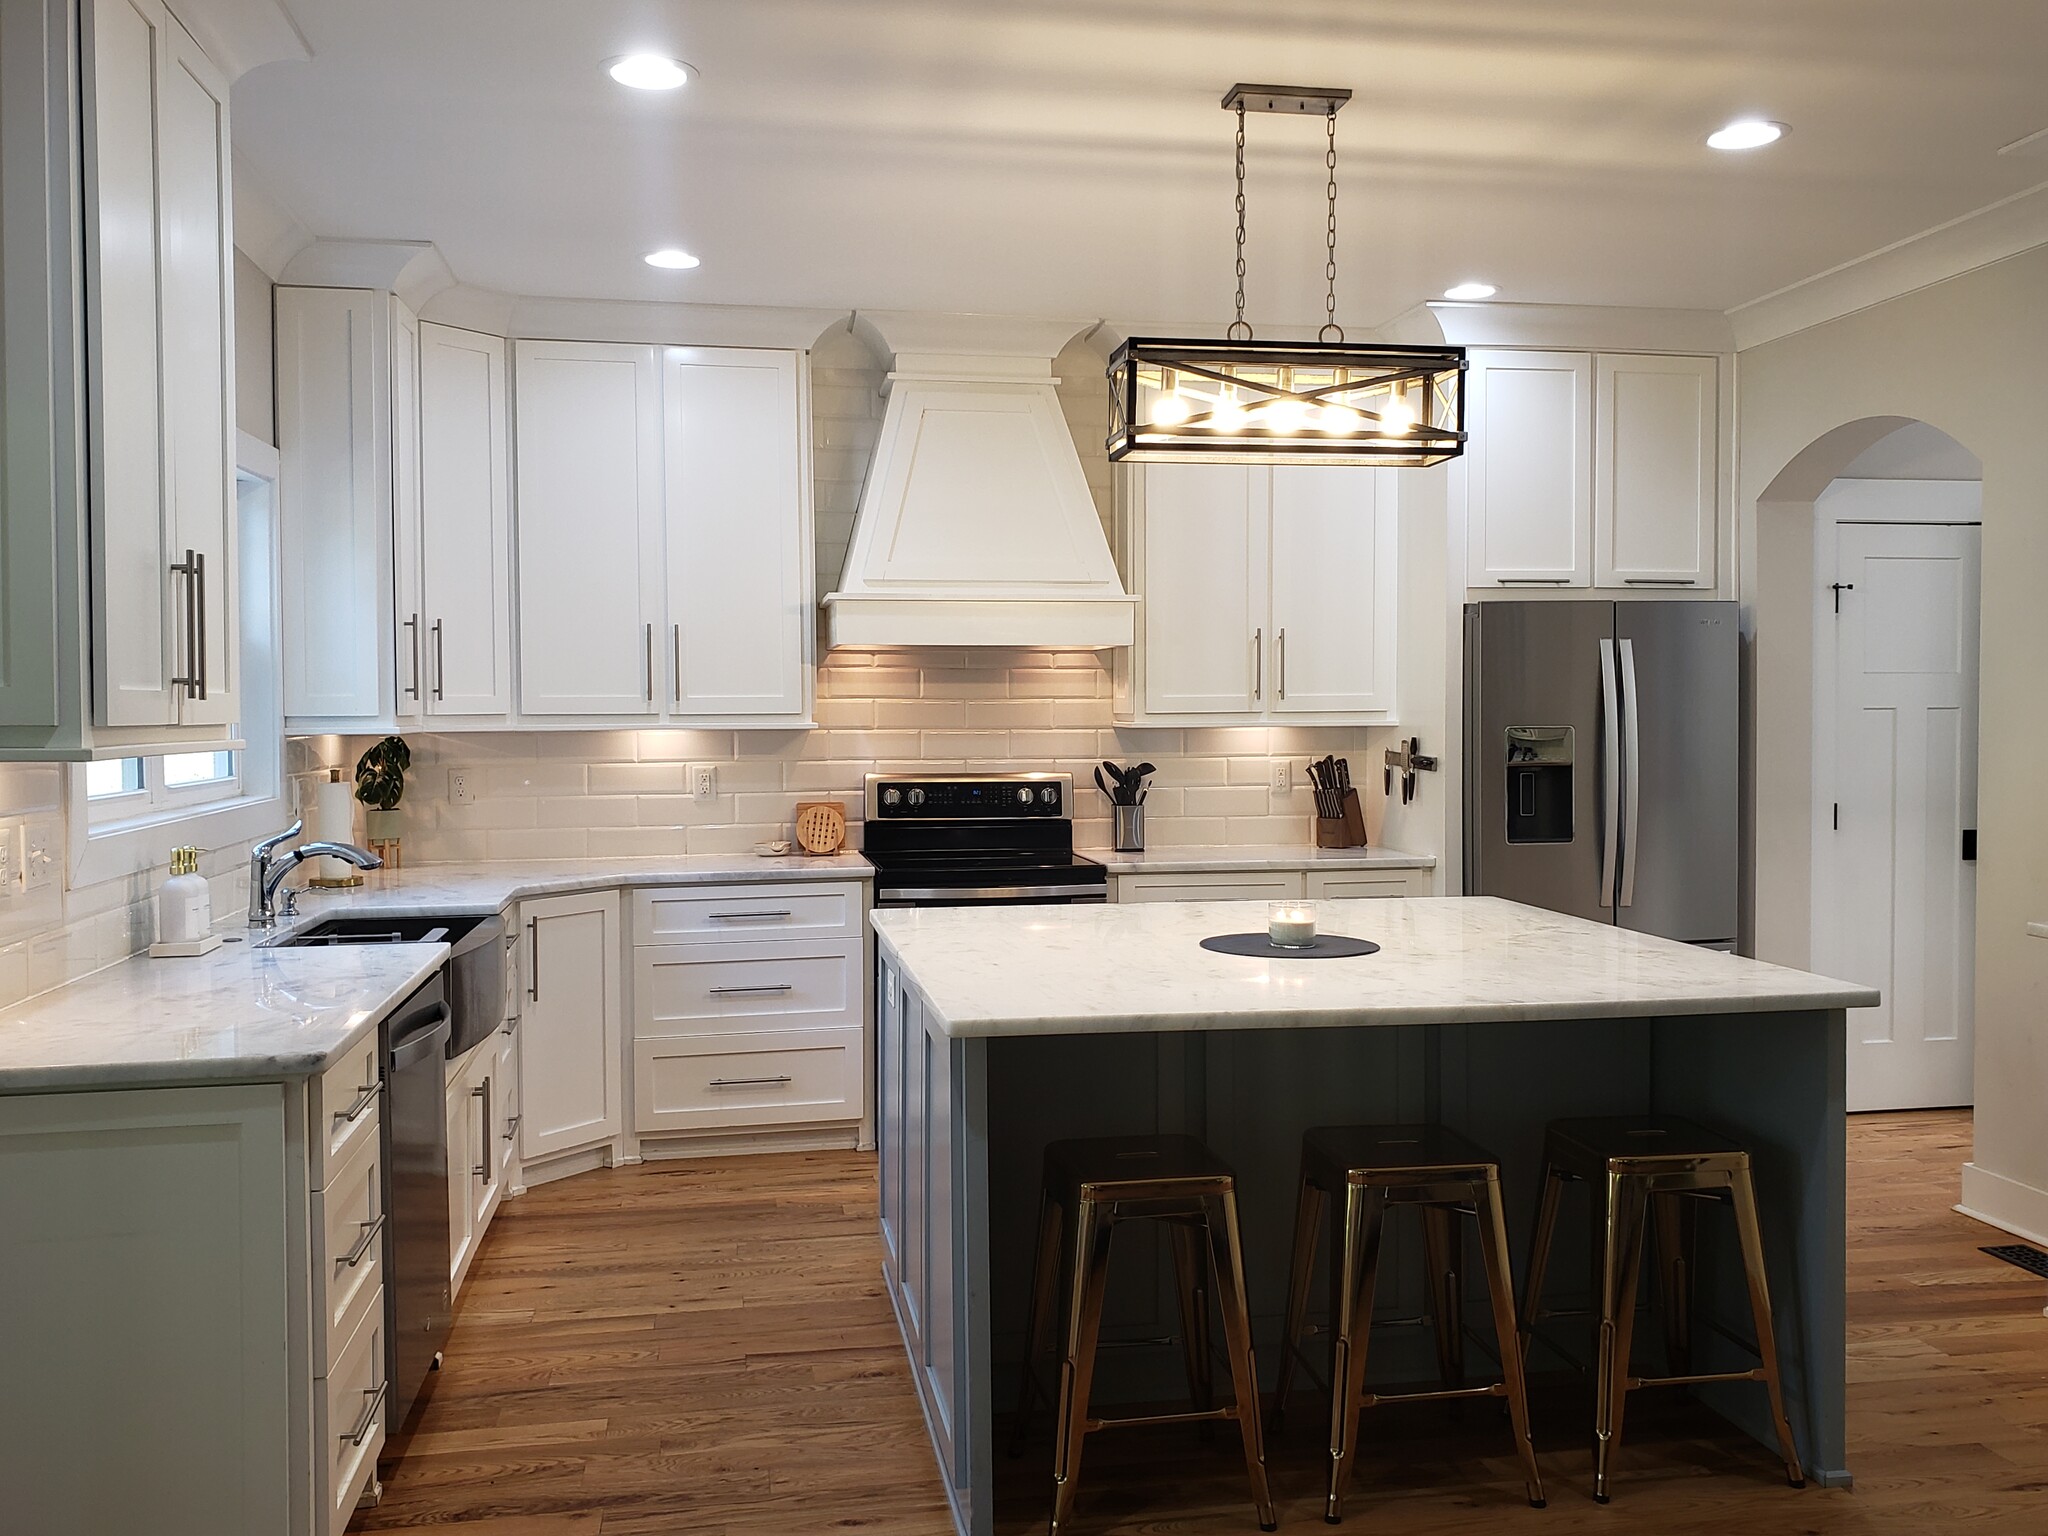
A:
[1895,905]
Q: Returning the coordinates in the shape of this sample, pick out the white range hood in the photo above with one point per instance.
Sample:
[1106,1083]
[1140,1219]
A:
[976,526]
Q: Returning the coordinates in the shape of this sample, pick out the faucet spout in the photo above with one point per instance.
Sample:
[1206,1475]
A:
[267,874]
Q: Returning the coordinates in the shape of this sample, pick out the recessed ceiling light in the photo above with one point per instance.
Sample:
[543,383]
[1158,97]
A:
[649,72]
[1746,133]
[671,258]
[1471,291]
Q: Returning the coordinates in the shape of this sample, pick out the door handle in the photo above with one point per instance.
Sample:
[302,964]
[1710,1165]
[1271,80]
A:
[749,917]
[511,1126]
[413,626]
[750,1082]
[190,681]
[1631,773]
[1280,653]
[1258,662]
[533,958]
[361,1107]
[483,1149]
[765,989]
[650,662]
[440,663]
[198,559]
[354,1256]
[361,1432]
[1610,773]
[676,659]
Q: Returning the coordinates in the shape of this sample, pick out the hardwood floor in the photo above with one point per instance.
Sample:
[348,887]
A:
[705,1348]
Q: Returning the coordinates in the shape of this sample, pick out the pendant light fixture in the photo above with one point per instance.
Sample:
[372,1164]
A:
[1245,401]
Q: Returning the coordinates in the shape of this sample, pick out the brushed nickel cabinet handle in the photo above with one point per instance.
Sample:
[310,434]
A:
[198,559]
[440,663]
[190,680]
[750,1082]
[413,625]
[511,1126]
[650,663]
[1258,662]
[364,1425]
[763,989]
[676,659]
[533,958]
[1280,650]
[361,1107]
[749,917]
[355,1255]
[483,1169]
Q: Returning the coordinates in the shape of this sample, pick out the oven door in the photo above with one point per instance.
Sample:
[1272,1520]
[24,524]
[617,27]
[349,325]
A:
[910,894]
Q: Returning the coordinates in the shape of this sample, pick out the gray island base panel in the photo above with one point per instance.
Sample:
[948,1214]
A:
[1488,1016]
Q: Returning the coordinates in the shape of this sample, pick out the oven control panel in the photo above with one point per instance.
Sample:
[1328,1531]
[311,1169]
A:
[968,797]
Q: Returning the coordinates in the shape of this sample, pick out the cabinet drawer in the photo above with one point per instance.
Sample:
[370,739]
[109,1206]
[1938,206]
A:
[1248,885]
[696,989]
[345,1108]
[746,914]
[349,1418]
[1346,885]
[348,1250]
[709,1081]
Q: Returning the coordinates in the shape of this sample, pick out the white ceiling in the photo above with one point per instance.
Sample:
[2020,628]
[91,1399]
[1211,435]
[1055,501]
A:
[1067,157]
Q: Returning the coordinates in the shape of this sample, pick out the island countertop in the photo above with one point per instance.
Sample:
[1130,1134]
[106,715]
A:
[1443,960]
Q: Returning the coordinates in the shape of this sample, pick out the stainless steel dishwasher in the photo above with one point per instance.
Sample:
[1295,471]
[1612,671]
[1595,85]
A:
[417,1306]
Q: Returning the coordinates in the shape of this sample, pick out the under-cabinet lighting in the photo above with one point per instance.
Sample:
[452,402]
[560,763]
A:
[1471,291]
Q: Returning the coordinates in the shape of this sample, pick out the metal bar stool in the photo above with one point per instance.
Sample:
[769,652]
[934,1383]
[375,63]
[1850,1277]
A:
[1652,1170]
[1091,1186]
[1443,1176]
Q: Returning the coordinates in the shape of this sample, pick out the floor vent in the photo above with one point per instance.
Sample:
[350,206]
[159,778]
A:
[2033,1260]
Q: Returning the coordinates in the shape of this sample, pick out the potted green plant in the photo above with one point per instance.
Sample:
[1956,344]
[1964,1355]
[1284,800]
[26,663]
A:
[380,785]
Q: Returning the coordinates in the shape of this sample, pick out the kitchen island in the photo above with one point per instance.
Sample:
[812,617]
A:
[1003,1029]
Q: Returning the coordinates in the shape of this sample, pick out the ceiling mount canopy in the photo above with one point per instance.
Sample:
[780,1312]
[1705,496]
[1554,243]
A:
[1245,401]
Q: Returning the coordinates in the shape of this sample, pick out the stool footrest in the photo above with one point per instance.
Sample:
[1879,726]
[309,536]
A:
[1699,1380]
[1201,1416]
[1440,1394]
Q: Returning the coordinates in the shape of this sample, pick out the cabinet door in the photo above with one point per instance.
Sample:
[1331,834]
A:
[461,1225]
[571,1028]
[1529,469]
[590,528]
[1231,885]
[1334,590]
[133,651]
[1208,650]
[739,546]
[197,281]
[465,522]
[404,615]
[1656,471]
[336,533]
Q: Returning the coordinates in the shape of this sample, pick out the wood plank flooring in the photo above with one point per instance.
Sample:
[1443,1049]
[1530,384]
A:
[706,1348]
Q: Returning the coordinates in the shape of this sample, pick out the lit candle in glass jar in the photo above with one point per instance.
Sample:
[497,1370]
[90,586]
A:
[1291,924]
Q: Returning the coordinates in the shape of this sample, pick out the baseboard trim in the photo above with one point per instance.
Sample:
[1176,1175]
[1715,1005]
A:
[2005,1203]
[658,1148]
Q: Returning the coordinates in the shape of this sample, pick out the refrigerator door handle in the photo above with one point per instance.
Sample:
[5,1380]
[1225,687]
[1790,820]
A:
[1610,776]
[1631,774]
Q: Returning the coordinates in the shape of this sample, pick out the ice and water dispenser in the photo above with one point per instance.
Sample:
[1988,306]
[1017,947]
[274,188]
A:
[1539,783]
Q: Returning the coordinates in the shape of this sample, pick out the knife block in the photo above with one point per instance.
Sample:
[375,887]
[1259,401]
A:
[1346,831]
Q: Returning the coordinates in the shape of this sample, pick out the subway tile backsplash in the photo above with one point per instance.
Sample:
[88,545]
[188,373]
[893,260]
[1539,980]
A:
[601,794]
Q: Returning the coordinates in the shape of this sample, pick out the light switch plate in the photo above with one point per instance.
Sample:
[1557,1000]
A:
[10,861]
[1283,777]
[461,787]
[704,782]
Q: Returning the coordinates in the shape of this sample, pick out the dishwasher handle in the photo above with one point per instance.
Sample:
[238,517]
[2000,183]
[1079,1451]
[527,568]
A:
[428,1036]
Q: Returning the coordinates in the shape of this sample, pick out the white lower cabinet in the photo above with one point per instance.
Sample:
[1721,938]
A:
[1367,884]
[481,1088]
[572,1025]
[349,1419]
[1274,885]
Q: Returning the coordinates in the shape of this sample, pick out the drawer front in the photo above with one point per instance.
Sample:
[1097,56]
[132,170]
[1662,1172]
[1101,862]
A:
[349,1406]
[346,1106]
[696,989]
[348,1249]
[1276,885]
[746,914]
[1350,885]
[709,1082]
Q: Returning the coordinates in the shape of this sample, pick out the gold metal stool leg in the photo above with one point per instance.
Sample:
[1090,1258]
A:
[1673,1221]
[1493,1249]
[1621,1274]
[1440,1241]
[1364,1215]
[1191,1284]
[1743,1193]
[1077,1370]
[1308,1213]
[1539,1256]
[1226,1245]
[1038,1322]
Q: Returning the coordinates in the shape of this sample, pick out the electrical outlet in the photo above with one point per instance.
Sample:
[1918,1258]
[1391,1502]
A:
[10,862]
[461,787]
[38,855]
[704,782]
[1283,777]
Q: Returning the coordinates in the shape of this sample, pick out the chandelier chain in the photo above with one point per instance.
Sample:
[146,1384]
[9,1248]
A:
[1330,235]
[1239,324]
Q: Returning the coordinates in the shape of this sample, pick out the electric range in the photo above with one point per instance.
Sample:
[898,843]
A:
[977,839]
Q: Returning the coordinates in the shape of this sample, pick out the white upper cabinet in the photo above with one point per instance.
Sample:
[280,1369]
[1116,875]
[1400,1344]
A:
[160,371]
[1267,594]
[1656,482]
[465,522]
[739,534]
[1529,468]
[590,534]
[334,421]
[405,625]
[1333,554]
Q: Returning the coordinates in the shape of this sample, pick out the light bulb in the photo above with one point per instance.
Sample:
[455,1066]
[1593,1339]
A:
[1286,415]
[671,259]
[1228,415]
[1339,418]
[1746,133]
[1170,409]
[649,72]
[1397,415]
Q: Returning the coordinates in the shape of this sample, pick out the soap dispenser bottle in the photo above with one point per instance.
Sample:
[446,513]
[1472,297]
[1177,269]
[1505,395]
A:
[184,903]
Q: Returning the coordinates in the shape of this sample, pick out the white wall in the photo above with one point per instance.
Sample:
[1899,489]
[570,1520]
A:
[255,412]
[1969,356]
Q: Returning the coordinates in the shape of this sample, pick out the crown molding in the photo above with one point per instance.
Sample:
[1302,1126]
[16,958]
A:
[266,231]
[239,35]
[2004,229]
[415,270]
[1566,327]
[526,318]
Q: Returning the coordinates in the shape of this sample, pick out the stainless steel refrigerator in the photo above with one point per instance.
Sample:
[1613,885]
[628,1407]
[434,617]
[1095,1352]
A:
[1601,761]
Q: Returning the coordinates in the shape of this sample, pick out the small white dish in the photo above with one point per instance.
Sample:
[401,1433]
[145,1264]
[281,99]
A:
[775,850]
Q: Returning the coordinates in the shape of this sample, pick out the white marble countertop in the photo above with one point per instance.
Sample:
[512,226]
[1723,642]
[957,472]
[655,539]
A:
[1443,960]
[1226,858]
[247,1013]
[2037,930]
[244,1013]
[452,890]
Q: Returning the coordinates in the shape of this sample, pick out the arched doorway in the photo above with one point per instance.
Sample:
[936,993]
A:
[1865,712]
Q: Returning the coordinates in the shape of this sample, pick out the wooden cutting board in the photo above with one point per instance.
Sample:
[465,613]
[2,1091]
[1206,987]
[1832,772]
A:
[820,826]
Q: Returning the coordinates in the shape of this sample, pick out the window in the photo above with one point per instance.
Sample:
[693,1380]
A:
[129,788]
